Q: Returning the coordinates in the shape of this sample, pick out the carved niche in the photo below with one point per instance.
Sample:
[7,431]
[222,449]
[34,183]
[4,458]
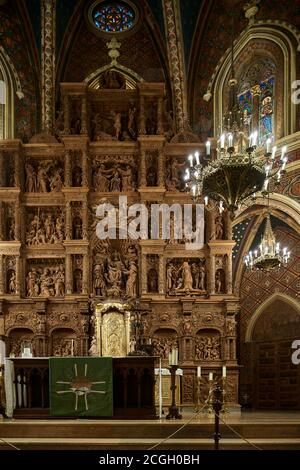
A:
[43,176]
[186,276]
[45,225]
[113,173]
[45,278]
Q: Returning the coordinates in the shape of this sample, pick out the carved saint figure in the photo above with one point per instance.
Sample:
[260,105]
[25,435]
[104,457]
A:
[186,276]
[131,280]
[30,178]
[115,182]
[117,124]
[219,227]
[12,283]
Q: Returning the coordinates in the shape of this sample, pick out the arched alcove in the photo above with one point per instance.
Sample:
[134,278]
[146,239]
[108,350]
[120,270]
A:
[269,379]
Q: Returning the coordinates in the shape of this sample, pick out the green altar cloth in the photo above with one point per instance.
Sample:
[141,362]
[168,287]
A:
[81,386]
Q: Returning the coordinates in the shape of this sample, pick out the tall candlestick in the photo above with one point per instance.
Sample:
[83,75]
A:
[224,372]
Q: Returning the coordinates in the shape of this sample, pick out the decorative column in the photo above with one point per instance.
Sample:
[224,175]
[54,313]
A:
[2,221]
[229,273]
[17,169]
[68,169]
[22,233]
[212,274]
[176,64]
[211,226]
[83,115]
[85,274]
[160,127]
[68,227]
[1,274]
[84,214]
[18,275]
[161,168]
[161,275]
[143,180]
[228,225]
[66,115]
[48,15]
[144,274]
[142,129]
[256,98]
[1,168]
[17,221]
[85,179]
[69,282]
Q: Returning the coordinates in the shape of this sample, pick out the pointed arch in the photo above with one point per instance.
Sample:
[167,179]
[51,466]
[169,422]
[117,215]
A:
[276,296]
[277,34]
[9,86]
[131,77]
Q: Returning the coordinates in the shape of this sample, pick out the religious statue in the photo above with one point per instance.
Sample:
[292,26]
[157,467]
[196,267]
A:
[56,181]
[30,183]
[219,227]
[131,280]
[187,276]
[77,228]
[112,80]
[42,179]
[101,179]
[99,282]
[32,284]
[93,351]
[127,183]
[115,182]
[59,282]
[12,283]
[131,128]
[78,281]
[219,281]
[117,124]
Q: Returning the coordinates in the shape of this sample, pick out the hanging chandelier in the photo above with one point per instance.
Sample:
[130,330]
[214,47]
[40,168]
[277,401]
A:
[240,168]
[269,255]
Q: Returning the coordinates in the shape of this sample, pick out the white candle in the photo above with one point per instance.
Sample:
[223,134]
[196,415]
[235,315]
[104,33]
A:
[230,140]
[199,371]
[222,141]
[254,138]
[210,376]
[273,152]
[283,151]
[224,372]
[208,144]
[190,158]
[197,158]
[206,200]
[170,357]
[284,162]
[72,347]
[194,190]
[268,142]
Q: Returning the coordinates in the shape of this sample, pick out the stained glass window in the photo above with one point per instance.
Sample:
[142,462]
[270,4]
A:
[113,17]
[266,115]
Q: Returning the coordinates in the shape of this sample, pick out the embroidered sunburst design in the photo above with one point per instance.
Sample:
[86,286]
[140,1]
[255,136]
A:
[81,386]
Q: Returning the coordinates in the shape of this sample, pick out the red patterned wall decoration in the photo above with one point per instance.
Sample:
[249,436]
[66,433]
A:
[256,288]
[89,52]
[13,40]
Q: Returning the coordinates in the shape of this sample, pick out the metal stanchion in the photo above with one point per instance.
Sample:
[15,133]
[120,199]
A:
[217,406]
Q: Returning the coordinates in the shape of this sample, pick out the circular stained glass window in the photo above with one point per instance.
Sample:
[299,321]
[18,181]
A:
[113,17]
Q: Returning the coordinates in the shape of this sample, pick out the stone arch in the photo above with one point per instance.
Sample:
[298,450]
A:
[278,38]
[9,86]
[294,304]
